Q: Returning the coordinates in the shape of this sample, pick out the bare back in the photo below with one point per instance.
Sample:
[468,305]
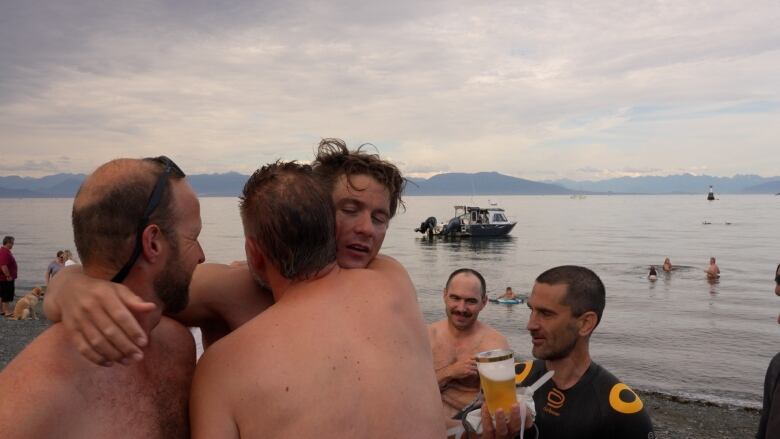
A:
[51,391]
[343,356]
[448,349]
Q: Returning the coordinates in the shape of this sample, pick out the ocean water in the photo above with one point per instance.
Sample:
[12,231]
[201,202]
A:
[680,335]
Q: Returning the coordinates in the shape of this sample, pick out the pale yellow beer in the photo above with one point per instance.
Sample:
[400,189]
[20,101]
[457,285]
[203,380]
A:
[497,376]
[499,394]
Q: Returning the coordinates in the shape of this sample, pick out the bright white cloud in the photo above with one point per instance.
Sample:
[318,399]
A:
[539,90]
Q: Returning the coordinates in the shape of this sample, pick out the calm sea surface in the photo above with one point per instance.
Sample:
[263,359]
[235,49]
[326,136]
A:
[680,334]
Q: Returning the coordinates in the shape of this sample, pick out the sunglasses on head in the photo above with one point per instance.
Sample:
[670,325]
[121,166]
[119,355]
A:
[154,200]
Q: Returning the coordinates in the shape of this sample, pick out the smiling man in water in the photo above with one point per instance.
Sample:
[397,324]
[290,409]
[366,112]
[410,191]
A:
[366,192]
[458,338]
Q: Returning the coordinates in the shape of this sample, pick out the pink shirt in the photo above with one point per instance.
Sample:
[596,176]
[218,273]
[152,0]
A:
[7,259]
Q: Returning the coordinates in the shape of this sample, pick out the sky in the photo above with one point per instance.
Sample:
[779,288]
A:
[534,89]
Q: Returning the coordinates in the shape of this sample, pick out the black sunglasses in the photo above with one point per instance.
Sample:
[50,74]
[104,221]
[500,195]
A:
[154,201]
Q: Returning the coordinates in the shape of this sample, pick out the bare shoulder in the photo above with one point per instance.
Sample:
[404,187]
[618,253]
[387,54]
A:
[385,267]
[492,338]
[436,328]
[385,263]
[174,337]
[23,382]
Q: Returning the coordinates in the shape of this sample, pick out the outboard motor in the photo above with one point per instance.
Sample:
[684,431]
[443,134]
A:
[427,226]
[451,227]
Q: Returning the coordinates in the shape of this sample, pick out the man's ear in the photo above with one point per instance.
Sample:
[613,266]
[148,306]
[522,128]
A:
[587,323]
[254,254]
[151,241]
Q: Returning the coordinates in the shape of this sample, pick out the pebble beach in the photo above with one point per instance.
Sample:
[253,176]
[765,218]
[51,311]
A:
[673,417]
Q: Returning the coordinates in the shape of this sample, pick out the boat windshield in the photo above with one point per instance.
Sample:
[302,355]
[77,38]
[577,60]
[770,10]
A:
[499,217]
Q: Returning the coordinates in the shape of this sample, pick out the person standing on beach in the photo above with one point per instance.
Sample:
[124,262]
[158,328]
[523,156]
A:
[55,266]
[713,272]
[341,352]
[136,222]
[8,273]
[366,191]
[769,425]
[582,400]
[458,338]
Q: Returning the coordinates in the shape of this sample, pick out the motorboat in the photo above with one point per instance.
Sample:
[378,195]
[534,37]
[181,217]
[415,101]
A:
[470,221]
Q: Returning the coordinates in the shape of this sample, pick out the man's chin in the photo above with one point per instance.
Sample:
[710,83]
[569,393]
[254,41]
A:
[353,261]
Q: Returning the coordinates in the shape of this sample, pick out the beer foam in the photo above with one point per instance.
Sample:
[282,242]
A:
[498,371]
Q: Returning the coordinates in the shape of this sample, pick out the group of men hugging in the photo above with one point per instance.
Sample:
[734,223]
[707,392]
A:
[317,335]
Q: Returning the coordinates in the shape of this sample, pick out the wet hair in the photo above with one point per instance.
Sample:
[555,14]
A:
[8,239]
[290,215]
[584,290]
[105,228]
[335,159]
[482,284]
[60,253]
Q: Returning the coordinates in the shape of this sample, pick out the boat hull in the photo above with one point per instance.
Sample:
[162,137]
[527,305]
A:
[484,230]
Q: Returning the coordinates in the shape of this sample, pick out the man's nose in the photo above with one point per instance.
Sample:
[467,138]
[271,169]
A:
[202,255]
[363,223]
[533,323]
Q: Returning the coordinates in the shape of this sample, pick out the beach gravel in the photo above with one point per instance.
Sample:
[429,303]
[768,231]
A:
[673,417]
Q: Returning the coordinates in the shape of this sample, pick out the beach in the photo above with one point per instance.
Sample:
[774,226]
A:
[673,417]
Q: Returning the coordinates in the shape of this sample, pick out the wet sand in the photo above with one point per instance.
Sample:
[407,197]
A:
[673,418]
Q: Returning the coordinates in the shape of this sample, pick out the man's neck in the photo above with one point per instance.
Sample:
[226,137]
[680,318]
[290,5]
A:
[458,333]
[569,370]
[140,287]
[281,286]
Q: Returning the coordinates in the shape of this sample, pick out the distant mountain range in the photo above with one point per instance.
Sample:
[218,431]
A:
[480,183]
[682,184]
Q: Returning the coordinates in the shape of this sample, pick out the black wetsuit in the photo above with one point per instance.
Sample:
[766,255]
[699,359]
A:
[598,406]
[769,426]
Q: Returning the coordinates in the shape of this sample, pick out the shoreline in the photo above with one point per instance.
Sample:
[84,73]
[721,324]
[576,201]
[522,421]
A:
[674,417]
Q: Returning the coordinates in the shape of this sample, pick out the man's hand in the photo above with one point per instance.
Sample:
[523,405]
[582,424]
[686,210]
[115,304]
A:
[463,368]
[503,429]
[99,316]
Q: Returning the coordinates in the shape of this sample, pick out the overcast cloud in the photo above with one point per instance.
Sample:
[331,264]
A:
[534,89]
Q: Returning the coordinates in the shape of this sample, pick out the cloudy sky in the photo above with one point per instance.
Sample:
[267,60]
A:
[534,89]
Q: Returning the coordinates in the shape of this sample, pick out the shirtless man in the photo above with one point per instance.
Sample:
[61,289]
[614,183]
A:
[667,265]
[366,191]
[150,244]
[341,353]
[456,339]
[713,272]
[508,294]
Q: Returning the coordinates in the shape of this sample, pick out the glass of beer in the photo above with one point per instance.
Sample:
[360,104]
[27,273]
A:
[497,376]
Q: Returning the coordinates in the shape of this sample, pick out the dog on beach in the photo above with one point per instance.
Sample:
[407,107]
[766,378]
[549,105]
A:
[26,305]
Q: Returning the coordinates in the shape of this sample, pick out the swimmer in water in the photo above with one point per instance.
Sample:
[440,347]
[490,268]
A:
[509,294]
[713,272]
[667,265]
[653,275]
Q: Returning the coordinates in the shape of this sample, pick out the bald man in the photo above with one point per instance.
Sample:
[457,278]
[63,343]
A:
[458,338]
[135,222]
